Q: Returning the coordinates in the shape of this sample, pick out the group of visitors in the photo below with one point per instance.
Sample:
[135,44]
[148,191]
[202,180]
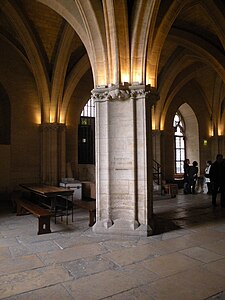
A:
[214,178]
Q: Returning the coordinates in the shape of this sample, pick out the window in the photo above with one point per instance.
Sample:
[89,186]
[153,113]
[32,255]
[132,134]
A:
[89,109]
[86,134]
[179,143]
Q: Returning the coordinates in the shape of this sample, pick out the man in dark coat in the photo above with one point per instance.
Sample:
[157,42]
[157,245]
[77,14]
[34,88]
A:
[216,175]
[186,179]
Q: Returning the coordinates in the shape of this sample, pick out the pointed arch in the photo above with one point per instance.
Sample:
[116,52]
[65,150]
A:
[144,19]
[155,48]
[34,54]
[75,75]
[86,18]
[60,69]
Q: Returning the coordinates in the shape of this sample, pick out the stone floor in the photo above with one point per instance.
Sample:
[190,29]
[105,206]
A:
[184,259]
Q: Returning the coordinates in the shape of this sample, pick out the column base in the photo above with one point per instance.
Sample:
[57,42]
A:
[122,227]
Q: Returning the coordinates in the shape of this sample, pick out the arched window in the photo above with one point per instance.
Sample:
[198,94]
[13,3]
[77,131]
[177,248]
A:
[89,109]
[179,143]
[86,134]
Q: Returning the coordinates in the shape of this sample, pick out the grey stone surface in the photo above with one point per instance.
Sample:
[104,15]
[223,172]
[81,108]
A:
[73,262]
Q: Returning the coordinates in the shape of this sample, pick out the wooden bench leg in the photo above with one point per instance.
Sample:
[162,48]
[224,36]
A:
[20,211]
[91,218]
[44,224]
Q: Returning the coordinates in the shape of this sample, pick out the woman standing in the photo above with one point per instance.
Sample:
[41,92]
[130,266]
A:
[207,179]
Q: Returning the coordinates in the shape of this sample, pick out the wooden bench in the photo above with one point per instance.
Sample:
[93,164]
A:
[42,214]
[90,206]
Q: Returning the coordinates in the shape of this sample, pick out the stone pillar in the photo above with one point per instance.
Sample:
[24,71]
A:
[217,145]
[156,145]
[221,142]
[123,159]
[53,164]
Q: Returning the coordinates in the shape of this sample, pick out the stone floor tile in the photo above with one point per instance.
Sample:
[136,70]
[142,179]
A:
[29,248]
[101,285]
[4,253]
[201,254]
[219,296]
[220,228]
[170,264]
[6,242]
[11,265]
[18,283]
[140,273]
[132,255]
[70,254]
[178,243]
[217,247]
[55,292]
[217,267]
[134,294]
[88,266]
[194,284]
[71,240]
[205,236]
[118,244]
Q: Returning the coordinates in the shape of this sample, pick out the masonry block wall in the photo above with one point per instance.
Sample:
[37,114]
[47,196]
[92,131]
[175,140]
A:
[20,160]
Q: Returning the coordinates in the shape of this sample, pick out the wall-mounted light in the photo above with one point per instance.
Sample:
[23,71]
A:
[205,142]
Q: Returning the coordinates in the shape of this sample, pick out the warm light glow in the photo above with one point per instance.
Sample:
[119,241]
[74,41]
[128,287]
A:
[124,77]
[161,125]
[153,118]
[219,131]
[211,132]
[37,118]
[61,120]
[51,118]
[137,77]
[148,81]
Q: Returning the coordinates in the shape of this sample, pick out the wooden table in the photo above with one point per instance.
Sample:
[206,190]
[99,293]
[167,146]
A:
[47,192]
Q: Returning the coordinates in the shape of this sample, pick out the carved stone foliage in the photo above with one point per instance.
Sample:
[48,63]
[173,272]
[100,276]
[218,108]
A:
[123,93]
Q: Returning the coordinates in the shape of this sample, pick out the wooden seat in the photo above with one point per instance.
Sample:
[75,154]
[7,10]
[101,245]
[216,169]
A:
[42,214]
[90,206]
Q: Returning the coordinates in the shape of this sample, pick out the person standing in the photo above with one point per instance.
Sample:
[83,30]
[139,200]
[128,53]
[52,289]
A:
[193,176]
[207,179]
[216,175]
[186,174]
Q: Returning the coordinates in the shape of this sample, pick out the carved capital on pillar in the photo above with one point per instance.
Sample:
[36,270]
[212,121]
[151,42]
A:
[111,93]
[124,92]
[140,91]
